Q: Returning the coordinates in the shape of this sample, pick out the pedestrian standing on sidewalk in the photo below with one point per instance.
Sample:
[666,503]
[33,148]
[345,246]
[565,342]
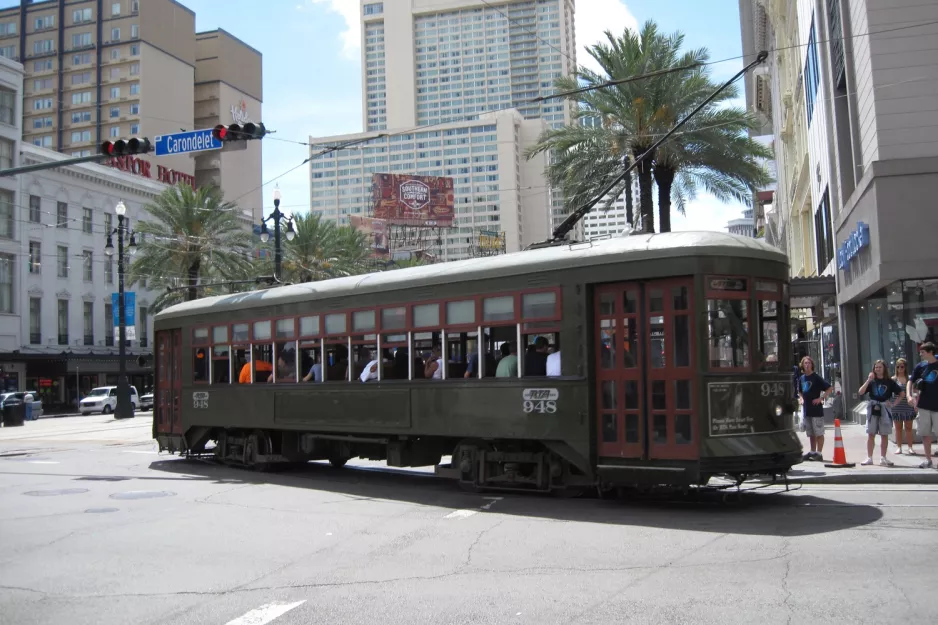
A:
[923,393]
[903,414]
[883,391]
[814,389]
[28,399]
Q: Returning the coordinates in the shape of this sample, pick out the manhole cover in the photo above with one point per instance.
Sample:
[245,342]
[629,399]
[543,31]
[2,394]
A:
[101,478]
[53,493]
[100,510]
[142,494]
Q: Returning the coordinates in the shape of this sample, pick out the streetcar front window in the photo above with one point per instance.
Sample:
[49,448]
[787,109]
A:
[728,322]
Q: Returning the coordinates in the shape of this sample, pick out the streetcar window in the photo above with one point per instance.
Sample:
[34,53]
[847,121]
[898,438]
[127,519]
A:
[220,335]
[498,308]
[427,316]
[221,373]
[363,320]
[461,313]
[539,305]
[263,362]
[285,329]
[728,325]
[768,334]
[239,333]
[261,330]
[394,319]
[285,371]
[200,365]
[335,324]
[200,336]
[311,364]
[538,347]
[241,362]
[309,326]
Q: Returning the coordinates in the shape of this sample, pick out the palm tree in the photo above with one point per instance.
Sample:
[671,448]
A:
[322,250]
[192,237]
[711,151]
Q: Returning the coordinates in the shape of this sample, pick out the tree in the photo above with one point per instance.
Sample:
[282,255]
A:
[613,124]
[192,238]
[322,250]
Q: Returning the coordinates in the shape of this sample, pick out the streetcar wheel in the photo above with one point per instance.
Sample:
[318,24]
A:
[338,463]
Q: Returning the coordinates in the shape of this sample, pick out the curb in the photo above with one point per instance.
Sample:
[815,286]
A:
[918,476]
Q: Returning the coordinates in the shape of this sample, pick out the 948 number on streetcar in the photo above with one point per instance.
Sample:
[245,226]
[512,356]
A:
[540,400]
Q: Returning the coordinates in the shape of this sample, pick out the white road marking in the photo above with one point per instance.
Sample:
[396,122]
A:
[42,462]
[491,502]
[139,451]
[265,613]
[460,514]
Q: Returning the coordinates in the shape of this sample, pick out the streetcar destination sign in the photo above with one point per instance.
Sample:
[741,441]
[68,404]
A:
[185,142]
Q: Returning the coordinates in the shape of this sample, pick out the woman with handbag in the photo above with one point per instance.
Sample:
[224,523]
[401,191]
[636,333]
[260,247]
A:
[903,414]
[884,393]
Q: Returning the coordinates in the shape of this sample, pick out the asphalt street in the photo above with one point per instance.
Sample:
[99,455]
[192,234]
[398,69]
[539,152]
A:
[97,527]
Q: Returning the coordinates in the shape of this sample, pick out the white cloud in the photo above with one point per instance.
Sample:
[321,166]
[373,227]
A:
[593,18]
[704,213]
[352,35]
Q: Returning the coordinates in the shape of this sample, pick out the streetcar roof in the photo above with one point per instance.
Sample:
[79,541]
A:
[606,251]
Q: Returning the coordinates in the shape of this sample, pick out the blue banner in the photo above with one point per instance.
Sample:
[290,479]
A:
[130,307]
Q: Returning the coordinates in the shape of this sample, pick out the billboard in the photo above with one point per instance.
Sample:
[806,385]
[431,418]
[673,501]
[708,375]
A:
[423,201]
[491,240]
[374,229]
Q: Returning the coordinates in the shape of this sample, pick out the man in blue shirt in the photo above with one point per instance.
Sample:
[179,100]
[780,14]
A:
[922,390]
[813,390]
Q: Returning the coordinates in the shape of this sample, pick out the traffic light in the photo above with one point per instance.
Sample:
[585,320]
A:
[239,132]
[123,147]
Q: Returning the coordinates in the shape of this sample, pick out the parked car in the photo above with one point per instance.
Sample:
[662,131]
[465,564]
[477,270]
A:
[104,400]
[21,397]
[146,401]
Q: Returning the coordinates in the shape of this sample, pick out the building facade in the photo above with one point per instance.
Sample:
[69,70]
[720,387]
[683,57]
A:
[58,336]
[861,81]
[96,71]
[611,222]
[743,226]
[453,59]
[466,70]
[492,178]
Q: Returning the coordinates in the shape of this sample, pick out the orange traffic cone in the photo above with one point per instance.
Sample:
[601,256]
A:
[840,457]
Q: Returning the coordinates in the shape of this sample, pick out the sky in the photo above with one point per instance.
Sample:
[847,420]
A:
[312,72]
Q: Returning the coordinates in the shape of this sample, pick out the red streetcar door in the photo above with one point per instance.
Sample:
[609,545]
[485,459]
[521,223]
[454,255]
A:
[669,369]
[618,371]
[644,370]
[168,381]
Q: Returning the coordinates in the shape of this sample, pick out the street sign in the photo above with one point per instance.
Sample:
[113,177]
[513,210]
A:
[185,142]
[130,317]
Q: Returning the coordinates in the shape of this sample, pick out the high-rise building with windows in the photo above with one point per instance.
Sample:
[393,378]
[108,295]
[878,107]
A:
[106,69]
[447,87]
[438,61]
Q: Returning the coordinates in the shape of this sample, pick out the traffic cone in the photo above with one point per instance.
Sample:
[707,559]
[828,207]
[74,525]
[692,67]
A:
[840,457]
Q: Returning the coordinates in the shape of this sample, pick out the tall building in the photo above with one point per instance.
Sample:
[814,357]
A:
[860,82]
[437,61]
[743,226]
[97,70]
[496,187]
[613,221]
[442,78]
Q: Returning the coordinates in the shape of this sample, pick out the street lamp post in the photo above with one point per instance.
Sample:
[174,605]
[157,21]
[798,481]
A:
[124,407]
[265,235]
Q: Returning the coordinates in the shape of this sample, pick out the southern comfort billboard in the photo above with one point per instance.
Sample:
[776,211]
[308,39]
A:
[406,200]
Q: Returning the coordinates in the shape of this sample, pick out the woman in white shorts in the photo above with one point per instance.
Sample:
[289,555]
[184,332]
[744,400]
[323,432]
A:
[883,392]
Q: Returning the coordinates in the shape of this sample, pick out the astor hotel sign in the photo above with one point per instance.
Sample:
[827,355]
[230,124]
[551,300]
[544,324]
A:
[140,167]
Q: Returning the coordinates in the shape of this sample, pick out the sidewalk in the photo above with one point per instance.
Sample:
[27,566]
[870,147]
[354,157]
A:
[906,470]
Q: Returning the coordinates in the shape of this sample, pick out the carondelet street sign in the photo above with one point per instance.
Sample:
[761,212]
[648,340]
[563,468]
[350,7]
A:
[185,142]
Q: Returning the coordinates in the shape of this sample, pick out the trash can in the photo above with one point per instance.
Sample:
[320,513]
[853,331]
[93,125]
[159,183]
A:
[14,413]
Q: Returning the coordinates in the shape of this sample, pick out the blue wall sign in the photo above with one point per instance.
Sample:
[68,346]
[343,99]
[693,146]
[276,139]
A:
[856,241]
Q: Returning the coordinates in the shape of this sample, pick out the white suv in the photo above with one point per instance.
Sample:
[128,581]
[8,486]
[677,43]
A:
[104,400]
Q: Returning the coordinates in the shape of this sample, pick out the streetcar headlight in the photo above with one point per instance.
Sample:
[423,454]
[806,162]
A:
[779,411]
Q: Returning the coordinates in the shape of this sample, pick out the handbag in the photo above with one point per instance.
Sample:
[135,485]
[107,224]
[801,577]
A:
[876,410]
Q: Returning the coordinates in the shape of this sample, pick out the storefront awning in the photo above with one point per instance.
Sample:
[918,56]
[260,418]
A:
[809,292]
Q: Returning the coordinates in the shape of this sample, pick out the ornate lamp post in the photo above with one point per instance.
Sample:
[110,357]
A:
[124,407]
[265,235]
